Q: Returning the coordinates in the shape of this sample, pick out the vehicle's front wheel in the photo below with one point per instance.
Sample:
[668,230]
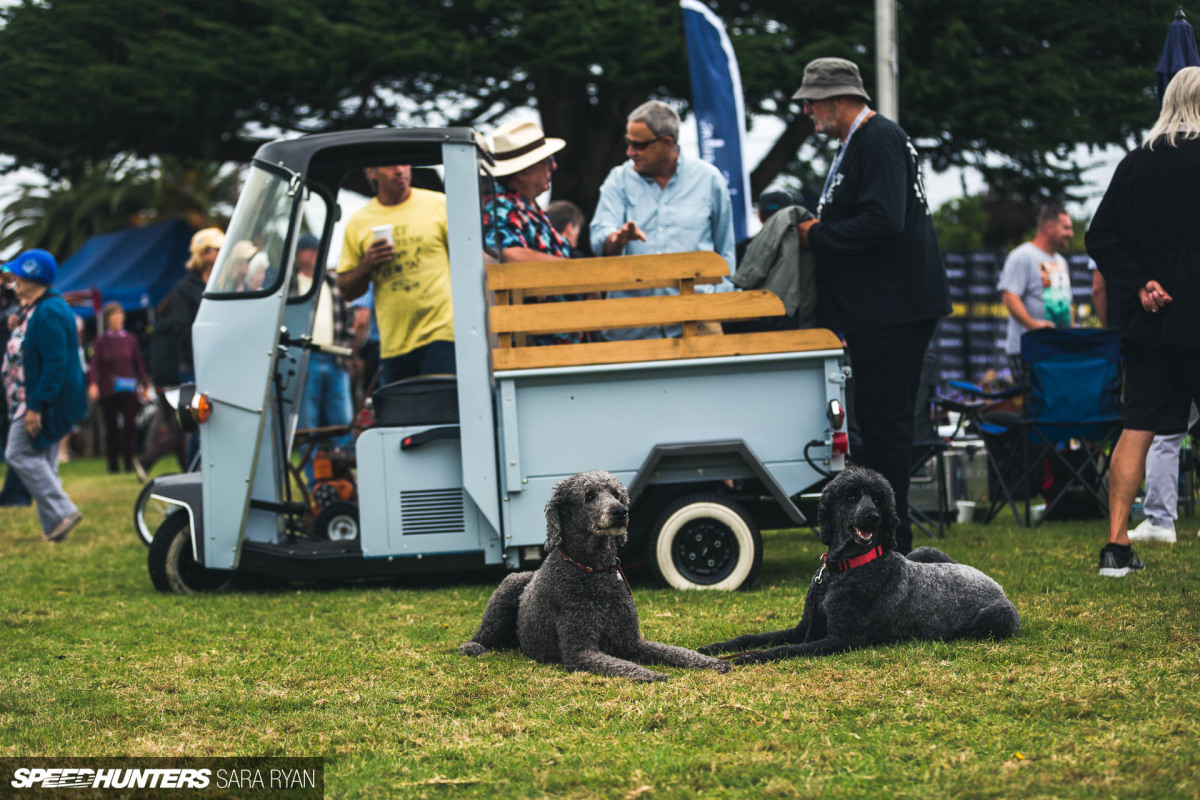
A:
[706,541]
[172,566]
[149,513]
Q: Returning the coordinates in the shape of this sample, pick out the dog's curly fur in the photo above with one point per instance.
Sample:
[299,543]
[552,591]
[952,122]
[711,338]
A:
[892,598]
[562,613]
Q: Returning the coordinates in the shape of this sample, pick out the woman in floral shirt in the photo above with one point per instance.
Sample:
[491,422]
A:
[43,381]
[513,222]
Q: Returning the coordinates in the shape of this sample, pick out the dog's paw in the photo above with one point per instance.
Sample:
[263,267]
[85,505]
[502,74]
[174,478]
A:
[709,649]
[745,658]
[722,666]
[472,649]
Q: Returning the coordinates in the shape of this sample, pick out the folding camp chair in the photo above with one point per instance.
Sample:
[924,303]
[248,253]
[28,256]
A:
[929,453]
[1071,416]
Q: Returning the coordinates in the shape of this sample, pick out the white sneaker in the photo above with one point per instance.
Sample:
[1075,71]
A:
[1149,532]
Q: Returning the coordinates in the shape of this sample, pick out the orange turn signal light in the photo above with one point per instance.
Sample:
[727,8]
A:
[201,408]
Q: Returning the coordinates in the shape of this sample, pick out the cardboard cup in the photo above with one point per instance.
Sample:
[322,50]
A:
[382,232]
[966,510]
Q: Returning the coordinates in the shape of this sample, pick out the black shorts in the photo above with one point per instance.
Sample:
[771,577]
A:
[1161,383]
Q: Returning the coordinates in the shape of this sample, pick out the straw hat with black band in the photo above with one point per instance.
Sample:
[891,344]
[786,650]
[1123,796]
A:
[518,145]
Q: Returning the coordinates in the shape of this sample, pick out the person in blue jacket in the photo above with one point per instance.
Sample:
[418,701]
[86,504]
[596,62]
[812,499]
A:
[45,388]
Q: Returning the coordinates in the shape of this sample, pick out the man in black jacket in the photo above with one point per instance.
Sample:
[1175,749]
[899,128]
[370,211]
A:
[881,281]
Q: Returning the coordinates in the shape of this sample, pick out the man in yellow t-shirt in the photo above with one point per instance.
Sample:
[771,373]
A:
[410,274]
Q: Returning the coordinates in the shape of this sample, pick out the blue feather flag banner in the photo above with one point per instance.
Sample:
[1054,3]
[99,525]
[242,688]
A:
[1179,51]
[717,103]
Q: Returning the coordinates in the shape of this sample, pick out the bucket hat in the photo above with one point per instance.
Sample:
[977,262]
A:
[830,77]
[519,145]
[34,265]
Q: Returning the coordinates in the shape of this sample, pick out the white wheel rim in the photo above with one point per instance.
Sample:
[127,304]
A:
[342,528]
[721,513]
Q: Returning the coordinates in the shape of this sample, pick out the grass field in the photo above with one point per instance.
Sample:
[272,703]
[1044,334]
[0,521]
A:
[1099,696]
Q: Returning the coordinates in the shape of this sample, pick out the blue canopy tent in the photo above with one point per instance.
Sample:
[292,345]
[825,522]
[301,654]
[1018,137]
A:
[135,267]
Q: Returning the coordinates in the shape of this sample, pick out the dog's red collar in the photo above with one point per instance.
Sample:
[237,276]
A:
[851,563]
[615,567]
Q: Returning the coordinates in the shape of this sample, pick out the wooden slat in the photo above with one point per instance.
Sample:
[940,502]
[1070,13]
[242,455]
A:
[583,275]
[633,312]
[737,344]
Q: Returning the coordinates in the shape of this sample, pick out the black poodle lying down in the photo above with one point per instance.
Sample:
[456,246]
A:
[865,594]
[577,608]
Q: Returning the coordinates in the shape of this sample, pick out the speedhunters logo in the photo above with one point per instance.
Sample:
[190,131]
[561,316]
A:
[75,778]
[226,778]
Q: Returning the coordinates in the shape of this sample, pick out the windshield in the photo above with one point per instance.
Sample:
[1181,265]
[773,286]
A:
[250,259]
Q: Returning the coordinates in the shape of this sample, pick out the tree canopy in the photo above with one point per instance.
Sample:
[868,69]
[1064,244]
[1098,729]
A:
[1009,88]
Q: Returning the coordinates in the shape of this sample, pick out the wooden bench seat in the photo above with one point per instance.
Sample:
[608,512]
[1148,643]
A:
[512,320]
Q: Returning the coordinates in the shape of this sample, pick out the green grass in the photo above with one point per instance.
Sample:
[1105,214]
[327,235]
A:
[1099,696]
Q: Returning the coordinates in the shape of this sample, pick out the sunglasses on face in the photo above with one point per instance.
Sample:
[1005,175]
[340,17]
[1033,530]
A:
[640,146]
[210,249]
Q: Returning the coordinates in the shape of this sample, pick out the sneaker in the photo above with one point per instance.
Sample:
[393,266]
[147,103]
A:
[1149,532]
[1117,561]
[139,470]
[64,527]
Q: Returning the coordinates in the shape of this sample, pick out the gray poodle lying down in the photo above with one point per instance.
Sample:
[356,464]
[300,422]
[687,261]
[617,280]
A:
[865,594]
[577,609]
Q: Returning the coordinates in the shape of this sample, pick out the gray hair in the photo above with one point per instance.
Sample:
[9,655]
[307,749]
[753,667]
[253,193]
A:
[1180,110]
[659,117]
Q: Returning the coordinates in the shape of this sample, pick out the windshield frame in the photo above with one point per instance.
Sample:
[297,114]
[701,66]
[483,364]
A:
[293,181]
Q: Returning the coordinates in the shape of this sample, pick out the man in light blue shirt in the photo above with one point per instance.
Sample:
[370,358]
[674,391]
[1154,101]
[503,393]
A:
[660,202]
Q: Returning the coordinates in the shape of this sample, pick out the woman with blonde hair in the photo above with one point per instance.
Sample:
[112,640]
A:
[1145,241]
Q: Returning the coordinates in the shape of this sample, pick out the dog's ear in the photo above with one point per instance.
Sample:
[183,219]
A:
[554,508]
[553,523]
[827,511]
[887,513]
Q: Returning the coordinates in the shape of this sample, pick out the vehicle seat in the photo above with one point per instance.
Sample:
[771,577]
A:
[423,400]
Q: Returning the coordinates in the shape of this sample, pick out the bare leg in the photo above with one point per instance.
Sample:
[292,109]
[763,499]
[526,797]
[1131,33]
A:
[1125,476]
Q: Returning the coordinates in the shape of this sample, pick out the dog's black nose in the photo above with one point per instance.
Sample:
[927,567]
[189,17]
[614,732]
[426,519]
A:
[620,514]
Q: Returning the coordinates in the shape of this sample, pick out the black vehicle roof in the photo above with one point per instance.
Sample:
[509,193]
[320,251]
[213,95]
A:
[324,158]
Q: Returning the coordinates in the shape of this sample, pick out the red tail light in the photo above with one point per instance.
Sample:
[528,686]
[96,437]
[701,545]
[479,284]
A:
[837,414]
[841,443]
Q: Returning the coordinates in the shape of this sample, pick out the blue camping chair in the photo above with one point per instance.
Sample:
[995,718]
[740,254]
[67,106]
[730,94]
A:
[1071,416]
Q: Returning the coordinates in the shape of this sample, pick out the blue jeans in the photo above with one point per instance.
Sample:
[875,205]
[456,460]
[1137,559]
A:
[326,399]
[435,358]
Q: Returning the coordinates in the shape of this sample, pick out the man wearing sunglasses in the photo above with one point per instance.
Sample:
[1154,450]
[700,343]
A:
[881,280]
[660,202]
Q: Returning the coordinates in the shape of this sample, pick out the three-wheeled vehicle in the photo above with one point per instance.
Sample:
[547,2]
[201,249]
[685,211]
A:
[713,435]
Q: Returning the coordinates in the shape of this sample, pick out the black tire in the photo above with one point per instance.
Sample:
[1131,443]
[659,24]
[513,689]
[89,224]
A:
[172,565]
[706,541]
[149,513]
[337,522]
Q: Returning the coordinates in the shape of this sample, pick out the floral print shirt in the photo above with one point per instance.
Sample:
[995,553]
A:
[509,220]
[14,366]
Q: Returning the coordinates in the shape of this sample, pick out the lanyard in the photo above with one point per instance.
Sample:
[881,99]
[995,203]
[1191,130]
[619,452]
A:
[837,160]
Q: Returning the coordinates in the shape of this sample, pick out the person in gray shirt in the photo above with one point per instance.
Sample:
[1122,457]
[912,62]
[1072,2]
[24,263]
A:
[1035,285]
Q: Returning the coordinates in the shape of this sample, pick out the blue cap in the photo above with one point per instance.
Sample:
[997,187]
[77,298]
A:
[770,202]
[34,265]
[307,242]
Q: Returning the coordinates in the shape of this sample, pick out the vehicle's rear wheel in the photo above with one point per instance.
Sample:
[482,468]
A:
[172,566]
[149,513]
[706,541]
[337,522]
